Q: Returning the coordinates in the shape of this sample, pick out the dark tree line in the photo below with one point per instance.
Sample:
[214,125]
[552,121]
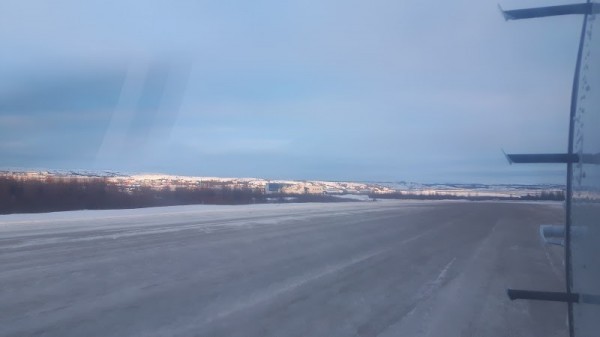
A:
[18,195]
[544,195]
[300,197]
[55,194]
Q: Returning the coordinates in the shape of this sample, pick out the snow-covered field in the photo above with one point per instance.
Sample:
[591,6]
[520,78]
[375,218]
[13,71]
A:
[386,268]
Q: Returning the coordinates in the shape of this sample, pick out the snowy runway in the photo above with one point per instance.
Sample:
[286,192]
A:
[390,268]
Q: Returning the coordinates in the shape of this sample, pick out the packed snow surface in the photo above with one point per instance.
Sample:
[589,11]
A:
[385,268]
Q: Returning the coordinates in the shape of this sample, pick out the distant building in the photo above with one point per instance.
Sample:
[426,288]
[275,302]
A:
[312,189]
[274,188]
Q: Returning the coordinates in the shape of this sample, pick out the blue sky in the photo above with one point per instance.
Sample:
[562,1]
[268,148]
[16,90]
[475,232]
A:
[339,90]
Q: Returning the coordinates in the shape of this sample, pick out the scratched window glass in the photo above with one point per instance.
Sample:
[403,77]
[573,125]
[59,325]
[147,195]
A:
[274,168]
[585,228]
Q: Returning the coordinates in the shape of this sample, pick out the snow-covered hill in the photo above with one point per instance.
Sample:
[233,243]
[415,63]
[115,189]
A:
[160,181]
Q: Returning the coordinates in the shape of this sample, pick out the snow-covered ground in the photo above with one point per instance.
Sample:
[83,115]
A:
[387,268]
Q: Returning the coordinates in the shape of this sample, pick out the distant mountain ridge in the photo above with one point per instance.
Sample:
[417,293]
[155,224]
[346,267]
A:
[161,181]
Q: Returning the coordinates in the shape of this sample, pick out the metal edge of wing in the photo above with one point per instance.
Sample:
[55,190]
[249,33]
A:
[539,12]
